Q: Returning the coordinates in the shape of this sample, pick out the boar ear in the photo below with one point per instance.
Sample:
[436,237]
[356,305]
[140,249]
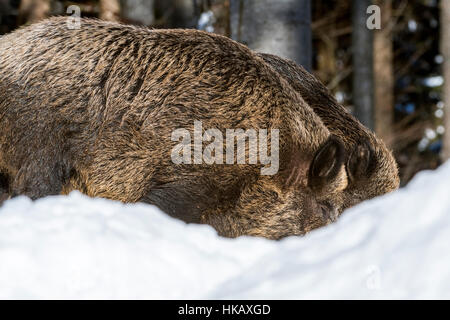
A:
[360,162]
[326,164]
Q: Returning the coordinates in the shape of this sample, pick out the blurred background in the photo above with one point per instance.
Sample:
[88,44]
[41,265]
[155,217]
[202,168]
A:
[387,61]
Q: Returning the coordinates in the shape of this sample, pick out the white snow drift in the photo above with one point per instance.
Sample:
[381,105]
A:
[396,246]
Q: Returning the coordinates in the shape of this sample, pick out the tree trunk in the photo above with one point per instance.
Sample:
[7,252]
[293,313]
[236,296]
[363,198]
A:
[445,50]
[138,11]
[177,13]
[362,47]
[280,27]
[384,74]
[184,14]
[110,10]
[5,12]
[33,10]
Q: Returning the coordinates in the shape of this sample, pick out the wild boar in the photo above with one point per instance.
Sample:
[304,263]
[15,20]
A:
[97,109]
[372,169]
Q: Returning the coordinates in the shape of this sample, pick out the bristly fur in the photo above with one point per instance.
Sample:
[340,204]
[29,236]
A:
[93,109]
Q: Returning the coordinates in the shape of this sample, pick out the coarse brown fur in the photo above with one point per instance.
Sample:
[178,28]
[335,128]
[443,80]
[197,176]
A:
[372,170]
[93,109]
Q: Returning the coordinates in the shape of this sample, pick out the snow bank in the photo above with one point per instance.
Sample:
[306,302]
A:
[396,246]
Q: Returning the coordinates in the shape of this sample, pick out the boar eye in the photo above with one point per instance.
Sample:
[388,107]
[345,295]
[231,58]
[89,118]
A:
[326,205]
[326,209]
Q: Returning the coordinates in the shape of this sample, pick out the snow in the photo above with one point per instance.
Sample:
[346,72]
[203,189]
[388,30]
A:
[74,247]
[206,21]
